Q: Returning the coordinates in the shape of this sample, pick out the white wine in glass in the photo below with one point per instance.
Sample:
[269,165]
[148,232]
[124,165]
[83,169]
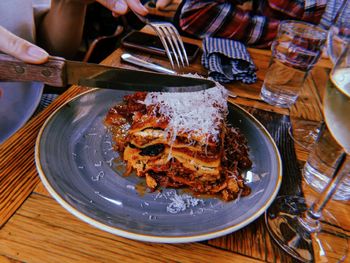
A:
[313,234]
[337,106]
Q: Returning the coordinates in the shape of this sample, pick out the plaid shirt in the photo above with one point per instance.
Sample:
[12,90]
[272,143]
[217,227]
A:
[231,19]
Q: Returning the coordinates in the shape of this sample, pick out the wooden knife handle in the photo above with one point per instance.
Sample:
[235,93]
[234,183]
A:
[51,72]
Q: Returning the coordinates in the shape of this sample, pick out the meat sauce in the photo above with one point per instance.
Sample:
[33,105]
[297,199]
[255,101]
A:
[234,159]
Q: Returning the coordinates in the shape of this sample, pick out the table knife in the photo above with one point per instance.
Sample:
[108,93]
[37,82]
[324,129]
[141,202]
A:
[59,72]
[145,64]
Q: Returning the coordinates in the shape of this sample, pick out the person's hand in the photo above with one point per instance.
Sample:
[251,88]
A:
[20,48]
[121,7]
[30,53]
[118,7]
[161,4]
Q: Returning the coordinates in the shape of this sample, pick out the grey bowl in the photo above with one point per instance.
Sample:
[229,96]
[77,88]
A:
[18,102]
[74,159]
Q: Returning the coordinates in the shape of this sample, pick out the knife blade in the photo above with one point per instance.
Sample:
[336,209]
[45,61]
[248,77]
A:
[59,72]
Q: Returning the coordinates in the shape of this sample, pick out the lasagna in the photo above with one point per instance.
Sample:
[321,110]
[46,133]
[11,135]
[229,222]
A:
[181,140]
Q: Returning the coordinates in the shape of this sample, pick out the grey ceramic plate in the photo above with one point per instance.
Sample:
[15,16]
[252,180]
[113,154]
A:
[74,158]
[18,102]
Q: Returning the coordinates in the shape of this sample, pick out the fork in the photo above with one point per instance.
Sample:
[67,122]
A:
[169,36]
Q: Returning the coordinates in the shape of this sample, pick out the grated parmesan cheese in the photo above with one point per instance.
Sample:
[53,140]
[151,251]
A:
[195,113]
[182,202]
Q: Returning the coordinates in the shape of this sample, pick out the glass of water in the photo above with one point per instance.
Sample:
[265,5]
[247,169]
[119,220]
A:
[295,50]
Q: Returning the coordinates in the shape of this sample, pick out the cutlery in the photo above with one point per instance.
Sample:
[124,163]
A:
[170,38]
[142,63]
[59,72]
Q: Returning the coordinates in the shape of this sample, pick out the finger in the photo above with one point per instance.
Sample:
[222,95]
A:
[20,48]
[161,4]
[118,7]
[137,7]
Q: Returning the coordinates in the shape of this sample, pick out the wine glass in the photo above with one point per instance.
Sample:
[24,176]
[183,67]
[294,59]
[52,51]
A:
[339,32]
[320,165]
[298,229]
[304,132]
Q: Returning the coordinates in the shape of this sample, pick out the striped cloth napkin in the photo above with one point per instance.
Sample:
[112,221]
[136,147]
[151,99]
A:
[228,60]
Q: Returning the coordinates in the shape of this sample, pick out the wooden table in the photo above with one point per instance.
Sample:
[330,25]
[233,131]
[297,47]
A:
[35,228]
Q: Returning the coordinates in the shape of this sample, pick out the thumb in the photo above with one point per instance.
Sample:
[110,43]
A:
[20,48]
[161,4]
[120,7]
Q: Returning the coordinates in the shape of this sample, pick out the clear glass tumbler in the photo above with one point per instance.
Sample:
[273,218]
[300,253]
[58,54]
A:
[295,50]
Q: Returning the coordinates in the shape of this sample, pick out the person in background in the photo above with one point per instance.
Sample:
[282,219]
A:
[253,22]
[56,28]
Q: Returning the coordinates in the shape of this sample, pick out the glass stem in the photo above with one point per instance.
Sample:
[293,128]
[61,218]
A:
[338,174]
[312,215]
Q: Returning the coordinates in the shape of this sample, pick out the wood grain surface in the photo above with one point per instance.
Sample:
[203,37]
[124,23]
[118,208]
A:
[67,239]
[35,228]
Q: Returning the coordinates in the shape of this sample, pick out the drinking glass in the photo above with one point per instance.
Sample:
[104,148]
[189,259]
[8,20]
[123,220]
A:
[291,224]
[338,35]
[339,32]
[321,163]
[305,132]
[295,50]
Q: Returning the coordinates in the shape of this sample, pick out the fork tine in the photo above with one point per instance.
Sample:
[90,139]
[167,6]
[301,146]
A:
[178,41]
[172,35]
[169,37]
[162,39]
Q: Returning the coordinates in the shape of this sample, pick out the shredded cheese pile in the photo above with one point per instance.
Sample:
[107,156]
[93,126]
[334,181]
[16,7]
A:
[195,113]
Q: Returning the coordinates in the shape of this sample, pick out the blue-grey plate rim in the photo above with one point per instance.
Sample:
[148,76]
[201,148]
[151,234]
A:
[32,103]
[152,238]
